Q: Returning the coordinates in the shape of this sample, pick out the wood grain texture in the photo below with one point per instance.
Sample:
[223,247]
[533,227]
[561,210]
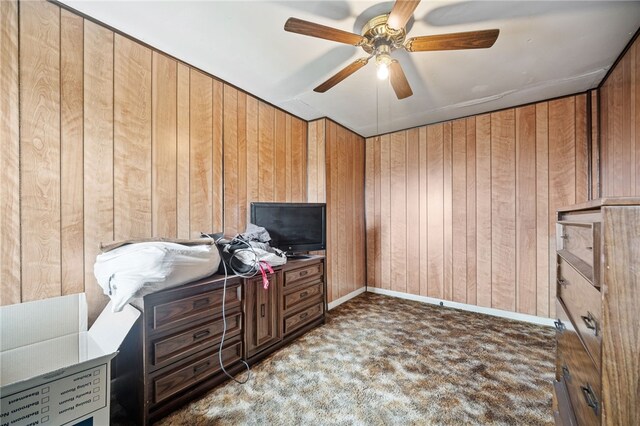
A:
[377,213]
[71,148]
[217,191]
[503,221]
[266,152]
[40,150]
[526,237]
[447,212]
[332,286]
[231,160]
[10,284]
[471,211]
[243,204]
[253,187]
[595,145]
[183,152]
[483,212]
[98,154]
[413,211]
[370,205]
[385,211]
[298,173]
[132,139]
[582,155]
[435,210]
[282,162]
[620,127]
[543,265]
[459,211]
[164,148]
[398,175]
[424,218]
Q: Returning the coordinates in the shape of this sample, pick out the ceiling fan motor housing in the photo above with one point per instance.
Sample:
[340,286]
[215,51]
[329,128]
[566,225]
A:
[381,39]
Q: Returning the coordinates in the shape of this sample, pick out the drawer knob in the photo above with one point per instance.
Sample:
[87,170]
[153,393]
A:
[559,325]
[589,248]
[590,322]
[303,294]
[303,316]
[200,303]
[590,398]
[200,334]
[303,273]
[199,368]
[563,282]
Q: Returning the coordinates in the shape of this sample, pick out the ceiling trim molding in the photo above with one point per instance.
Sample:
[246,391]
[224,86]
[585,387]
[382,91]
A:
[619,58]
[123,34]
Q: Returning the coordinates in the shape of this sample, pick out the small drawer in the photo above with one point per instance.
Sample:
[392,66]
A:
[302,295]
[296,276]
[579,374]
[297,320]
[579,244]
[171,348]
[583,302]
[170,383]
[183,311]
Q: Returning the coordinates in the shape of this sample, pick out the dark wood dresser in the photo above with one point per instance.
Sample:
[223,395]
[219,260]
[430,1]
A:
[171,355]
[598,310]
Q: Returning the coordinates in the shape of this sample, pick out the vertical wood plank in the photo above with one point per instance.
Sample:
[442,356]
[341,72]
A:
[98,154]
[483,205]
[183,152]
[164,151]
[370,207]
[331,221]
[385,211]
[40,149]
[281,157]
[378,211]
[253,185]
[71,147]
[526,242]
[217,218]
[242,161]
[447,211]
[10,156]
[413,211]
[231,154]
[398,176]
[471,211]
[636,116]
[459,210]
[339,150]
[266,152]
[288,159]
[424,224]
[312,163]
[561,170]
[201,154]
[542,210]
[503,221]
[595,145]
[582,156]
[435,210]
[132,139]
[298,163]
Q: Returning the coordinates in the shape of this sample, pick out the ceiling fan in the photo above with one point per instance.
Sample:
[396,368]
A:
[384,34]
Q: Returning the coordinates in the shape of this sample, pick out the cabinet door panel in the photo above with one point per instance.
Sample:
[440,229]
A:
[262,313]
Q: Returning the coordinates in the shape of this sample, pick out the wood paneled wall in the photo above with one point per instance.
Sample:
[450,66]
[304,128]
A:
[336,162]
[620,126]
[114,140]
[463,210]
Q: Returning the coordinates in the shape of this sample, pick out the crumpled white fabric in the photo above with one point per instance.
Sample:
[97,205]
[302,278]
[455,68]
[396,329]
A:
[135,270]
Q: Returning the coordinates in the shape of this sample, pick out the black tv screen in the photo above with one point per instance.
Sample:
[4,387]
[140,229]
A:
[294,227]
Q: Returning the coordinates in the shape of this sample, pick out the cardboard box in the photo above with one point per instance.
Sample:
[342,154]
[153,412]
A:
[52,370]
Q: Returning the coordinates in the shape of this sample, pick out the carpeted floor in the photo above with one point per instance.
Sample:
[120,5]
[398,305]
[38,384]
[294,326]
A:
[382,360]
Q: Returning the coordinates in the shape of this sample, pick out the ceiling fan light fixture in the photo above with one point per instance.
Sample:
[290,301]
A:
[383,60]
[383,71]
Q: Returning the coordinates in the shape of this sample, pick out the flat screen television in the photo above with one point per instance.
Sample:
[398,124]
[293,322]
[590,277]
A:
[294,227]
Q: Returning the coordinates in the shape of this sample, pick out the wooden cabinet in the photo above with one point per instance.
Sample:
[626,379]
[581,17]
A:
[598,294]
[171,355]
[262,313]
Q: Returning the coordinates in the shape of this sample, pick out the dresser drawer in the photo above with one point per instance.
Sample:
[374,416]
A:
[189,309]
[579,244]
[302,295]
[169,383]
[297,320]
[306,273]
[171,348]
[583,302]
[579,374]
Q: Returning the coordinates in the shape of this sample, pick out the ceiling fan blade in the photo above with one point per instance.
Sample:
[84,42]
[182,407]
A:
[453,41]
[401,12]
[295,25]
[341,75]
[399,81]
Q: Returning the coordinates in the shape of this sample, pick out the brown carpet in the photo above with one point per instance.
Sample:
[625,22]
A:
[382,360]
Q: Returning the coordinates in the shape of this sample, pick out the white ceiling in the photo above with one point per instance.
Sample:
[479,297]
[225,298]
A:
[545,49]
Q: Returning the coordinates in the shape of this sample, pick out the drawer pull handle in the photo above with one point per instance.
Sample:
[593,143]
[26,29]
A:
[589,248]
[262,310]
[200,303]
[303,273]
[564,237]
[199,368]
[559,325]
[303,294]
[563,282]
[590,322]
[304,315]
[565,373]
[200,334]
[590,397]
